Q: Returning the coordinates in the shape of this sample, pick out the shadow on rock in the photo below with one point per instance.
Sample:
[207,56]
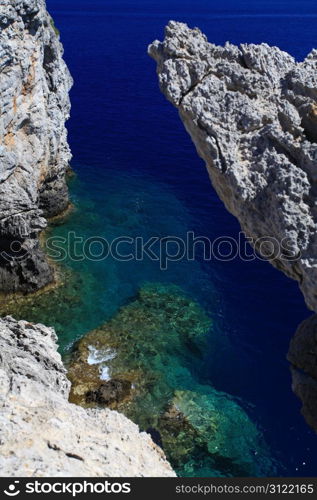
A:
[302,355]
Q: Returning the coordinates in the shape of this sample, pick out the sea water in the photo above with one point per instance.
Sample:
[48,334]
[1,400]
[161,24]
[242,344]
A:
[137,174]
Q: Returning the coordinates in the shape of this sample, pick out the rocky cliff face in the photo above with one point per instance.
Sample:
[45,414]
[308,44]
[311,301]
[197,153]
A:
[252,113]
[34,85]
[42,434]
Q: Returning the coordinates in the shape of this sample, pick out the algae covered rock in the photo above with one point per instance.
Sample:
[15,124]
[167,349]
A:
[140,343]
[140,363]
[214,427]
[110,392]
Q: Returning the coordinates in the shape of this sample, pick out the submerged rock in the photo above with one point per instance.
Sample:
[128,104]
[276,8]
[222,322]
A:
[42,434]
[139,343]
[217,431]
[34,152]
[251,113]
[111,392]
[46,303]
[302,355]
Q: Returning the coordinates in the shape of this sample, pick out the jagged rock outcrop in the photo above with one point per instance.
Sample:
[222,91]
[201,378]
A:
[252,113]
[34,154]
[42,434]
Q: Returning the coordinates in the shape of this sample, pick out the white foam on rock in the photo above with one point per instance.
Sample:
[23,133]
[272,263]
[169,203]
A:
[97,356]
[104,373]
[100,357]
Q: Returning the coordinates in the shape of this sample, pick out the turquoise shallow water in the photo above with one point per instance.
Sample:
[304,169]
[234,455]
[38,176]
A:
[139,175]
[168,335]
[123,205]
[222,435]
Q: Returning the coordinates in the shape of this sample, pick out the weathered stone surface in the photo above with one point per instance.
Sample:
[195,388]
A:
[251,112]
[42,434]
[34,154]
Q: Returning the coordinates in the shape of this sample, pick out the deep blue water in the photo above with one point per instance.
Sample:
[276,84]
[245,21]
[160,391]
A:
[138,172]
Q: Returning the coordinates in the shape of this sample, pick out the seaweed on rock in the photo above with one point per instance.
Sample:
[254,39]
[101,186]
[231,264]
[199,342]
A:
[140,362]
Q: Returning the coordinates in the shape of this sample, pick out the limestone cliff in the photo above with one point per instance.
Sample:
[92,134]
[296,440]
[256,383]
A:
[252,113]
[42,434]
[34,154]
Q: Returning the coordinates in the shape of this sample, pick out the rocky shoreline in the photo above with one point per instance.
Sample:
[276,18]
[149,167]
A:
[251,112]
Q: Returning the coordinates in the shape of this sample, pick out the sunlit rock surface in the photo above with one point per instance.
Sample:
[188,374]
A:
[42,434]
[34,153]
[251,113]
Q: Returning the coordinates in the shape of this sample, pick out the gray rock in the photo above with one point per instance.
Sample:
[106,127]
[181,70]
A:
[251,112]
[42,434]
[34,153]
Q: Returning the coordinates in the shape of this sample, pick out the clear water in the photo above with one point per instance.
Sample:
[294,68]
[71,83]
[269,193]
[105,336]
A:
[138,174]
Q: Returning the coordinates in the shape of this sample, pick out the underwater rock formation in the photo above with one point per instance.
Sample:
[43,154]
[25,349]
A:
[209,427]
[160,325]
[42,434]
[140,362]
[34,152]
[251,113]
[302,355]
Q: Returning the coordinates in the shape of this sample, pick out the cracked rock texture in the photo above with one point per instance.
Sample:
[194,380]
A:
[42,434]
[252,113]
[34,154]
